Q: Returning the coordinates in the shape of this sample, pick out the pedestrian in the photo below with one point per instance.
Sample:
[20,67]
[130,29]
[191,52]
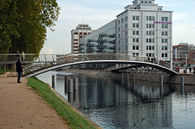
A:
[190,69]
[23,56]
[19,69]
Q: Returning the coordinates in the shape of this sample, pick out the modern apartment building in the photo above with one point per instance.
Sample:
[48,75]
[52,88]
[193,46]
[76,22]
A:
[143,29]
[76,34]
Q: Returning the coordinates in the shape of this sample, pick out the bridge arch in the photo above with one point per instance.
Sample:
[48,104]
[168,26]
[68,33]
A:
[159,67]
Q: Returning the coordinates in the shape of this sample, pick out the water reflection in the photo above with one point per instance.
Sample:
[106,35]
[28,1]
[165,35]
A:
[114,105]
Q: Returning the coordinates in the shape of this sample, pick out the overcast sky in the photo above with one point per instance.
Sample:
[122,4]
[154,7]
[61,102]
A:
[99,12]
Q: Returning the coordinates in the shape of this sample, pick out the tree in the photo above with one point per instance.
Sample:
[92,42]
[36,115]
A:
[23,24]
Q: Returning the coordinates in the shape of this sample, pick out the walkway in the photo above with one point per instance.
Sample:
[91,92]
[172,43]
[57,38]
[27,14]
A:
[22,108]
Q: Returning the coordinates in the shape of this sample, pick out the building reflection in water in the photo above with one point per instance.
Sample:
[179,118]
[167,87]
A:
[136,105]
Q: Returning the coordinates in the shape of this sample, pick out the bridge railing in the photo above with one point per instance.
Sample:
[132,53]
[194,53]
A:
[34,62]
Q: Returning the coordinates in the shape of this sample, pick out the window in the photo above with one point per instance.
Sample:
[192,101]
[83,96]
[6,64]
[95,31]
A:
[126,33]
[122,20]
[164,41]
[162,55]
[135,40]
[126,25]
[149,32]
[135,25]
[135,47]
[149,40]
[149,25]
[165,19]
[136,18]
[150,18]
[119,29]
[135,32]
[164,26]
[119,22]
[164,33]
[126,19]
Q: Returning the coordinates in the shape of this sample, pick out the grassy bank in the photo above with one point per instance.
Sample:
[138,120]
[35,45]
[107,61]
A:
[73,119]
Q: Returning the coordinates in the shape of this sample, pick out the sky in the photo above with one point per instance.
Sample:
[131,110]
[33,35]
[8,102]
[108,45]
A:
[97,13]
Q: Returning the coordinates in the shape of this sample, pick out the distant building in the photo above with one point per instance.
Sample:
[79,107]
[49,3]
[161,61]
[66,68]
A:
[78,33]
[143,29]
[184,55]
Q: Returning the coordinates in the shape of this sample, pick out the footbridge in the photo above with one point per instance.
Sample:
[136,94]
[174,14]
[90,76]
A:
[114,62]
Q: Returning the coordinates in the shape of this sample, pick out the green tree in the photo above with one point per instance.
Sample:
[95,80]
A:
[23,24]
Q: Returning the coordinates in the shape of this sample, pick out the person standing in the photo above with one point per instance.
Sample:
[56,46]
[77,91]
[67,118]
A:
[23,56]
[19,69]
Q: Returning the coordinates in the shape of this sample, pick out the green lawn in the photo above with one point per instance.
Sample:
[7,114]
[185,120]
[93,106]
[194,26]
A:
[74,120]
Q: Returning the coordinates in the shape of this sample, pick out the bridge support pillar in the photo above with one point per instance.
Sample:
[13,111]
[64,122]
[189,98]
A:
[182,85]
[70,89]
[53,81]
[161,85]
[122,78]
[65,85]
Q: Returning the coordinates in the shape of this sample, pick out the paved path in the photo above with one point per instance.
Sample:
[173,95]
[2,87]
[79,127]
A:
[22,108]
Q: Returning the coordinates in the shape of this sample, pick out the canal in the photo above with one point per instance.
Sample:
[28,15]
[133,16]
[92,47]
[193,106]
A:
[115,104]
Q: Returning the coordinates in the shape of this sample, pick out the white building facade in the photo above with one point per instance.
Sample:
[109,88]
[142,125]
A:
[145,30]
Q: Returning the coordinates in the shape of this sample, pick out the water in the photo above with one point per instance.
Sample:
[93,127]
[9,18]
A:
[131,105]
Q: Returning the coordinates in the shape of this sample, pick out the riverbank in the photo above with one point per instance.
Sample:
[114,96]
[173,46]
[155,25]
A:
[73,118]
[21,107]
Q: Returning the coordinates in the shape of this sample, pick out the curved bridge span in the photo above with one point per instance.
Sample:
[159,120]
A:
[136,63]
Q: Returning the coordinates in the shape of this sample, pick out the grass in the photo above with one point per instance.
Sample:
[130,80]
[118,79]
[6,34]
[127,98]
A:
[73,119]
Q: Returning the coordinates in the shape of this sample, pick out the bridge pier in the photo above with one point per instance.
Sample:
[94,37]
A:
[161,85]
[70,90]
[182,85]
[65,85]
[53,81]
[122,78]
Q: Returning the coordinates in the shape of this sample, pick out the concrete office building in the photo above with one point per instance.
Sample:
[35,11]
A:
[143,29]
[76,34]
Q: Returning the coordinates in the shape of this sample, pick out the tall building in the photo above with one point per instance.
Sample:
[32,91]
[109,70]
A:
[143,29]
[78,33]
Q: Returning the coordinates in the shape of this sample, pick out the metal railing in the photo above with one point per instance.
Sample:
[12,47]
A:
[33,62]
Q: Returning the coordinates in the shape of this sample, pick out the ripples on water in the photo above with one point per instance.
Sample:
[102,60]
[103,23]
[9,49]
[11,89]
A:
[114,105]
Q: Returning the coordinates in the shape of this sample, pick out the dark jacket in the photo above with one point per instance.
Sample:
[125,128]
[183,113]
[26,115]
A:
[19,66]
